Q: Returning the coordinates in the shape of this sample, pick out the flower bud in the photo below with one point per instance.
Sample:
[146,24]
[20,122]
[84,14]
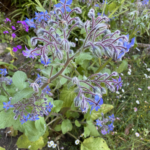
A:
[35,87]
[91,13]
[114,73]
[77,101]
[75,80]
[59,54]
[78,10]
[97,51]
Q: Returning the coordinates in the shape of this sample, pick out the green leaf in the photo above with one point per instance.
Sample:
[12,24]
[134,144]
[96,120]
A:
[2,99]
[67,96]
[25,93]
[1,148]
[57,105]
[83,56]
[66,126]
[41,9]
[8,65]
[32,129]
[123,66]
[23,142]
[18,79]
[58,127]
[94,144]
[92,128]
[86,132]
[77,123]
[104,109]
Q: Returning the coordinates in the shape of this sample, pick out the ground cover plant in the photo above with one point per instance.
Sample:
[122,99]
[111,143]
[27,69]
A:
[74,83]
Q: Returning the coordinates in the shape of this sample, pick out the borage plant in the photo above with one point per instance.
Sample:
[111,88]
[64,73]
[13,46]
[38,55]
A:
[32,100]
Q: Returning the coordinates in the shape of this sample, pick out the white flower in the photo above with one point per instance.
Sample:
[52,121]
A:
[137,101]
[148,69]
[132,129]
[129,70]
[137,134]
[82,135]
[145,75]
[50,143]
[76,39]
[129,73]
[29,146]
[77,142]
[122,74]
[117,92]
[54,146]
[148,87]
[135,109]
[123,90]
[139,89]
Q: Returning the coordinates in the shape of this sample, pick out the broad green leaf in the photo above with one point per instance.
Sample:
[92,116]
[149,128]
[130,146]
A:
[67,96]
[2,99]
[77,123]
[58,127]
[57,105]
[104,109]
[32,129]
[92,143]
[92,129]
[106,70]
[25,93]
[83,56]
[86,132]
[18,79]
[1,148]
[66,126]
[23,142]
[123,66]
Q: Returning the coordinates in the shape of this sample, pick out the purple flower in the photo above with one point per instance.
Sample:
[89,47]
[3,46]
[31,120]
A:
[29,54]
[13,35]
[49,107]
[45,60]
[7,105]
[5,32]
[34,118]
[8,20]
[117,83]
[15,49]
[104,131]
[24,25]
[19,46]
[62,3]
[13,28]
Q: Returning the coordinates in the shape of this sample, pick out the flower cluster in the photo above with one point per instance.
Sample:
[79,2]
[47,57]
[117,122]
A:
[51,144]
[24,25]
[105,129]
[97,91]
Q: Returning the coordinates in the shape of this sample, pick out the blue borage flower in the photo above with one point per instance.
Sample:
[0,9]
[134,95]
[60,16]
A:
[46,90]
[62,3]
[96,105]
[117,83]
[126,45]
[110,127]
[42,16]
[45,63]
[24,119]
[3,72]
[145,2]
[30,22]
[7,105]
[49,107]
[112,118]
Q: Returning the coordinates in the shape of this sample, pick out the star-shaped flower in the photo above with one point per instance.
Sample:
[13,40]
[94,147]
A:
[62,3]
